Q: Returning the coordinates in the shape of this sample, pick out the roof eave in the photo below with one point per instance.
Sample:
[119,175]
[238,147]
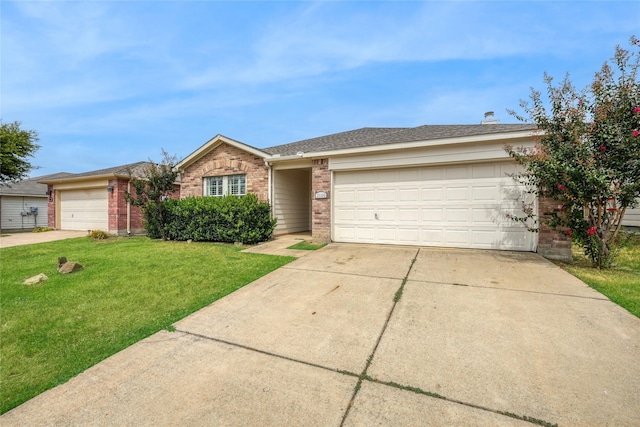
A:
[84,178]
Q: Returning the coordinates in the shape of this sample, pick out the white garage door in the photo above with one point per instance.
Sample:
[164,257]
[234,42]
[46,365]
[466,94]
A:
[84,209]
[463,206]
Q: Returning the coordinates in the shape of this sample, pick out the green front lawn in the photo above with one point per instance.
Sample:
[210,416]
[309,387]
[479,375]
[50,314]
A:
[129,289]
[621,284]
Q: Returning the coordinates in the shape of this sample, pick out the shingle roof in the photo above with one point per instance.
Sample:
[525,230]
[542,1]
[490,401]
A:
[135,169]
[336,141]
[31,186]
[369,137]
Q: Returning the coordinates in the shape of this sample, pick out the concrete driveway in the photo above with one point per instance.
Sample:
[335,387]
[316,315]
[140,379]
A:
[28,238]
[475,338]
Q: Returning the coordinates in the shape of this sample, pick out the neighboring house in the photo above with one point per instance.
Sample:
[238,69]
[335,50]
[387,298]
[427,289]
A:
[440,185]
[95,200]
[23,204]
[632,217]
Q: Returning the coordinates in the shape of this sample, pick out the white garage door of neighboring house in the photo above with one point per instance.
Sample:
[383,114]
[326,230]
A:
[84,209]
[461,206]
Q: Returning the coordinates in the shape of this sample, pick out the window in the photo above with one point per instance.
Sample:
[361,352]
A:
[217,186]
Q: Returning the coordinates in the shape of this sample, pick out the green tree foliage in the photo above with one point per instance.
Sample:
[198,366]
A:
[152,190]
[16,145]
[587,154]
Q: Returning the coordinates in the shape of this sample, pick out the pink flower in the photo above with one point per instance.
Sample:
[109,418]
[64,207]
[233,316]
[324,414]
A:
[636,110]
[568,233]
[561,187]
[602,148]
[591,231]
[635,133]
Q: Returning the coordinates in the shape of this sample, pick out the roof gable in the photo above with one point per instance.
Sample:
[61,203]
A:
[215,142]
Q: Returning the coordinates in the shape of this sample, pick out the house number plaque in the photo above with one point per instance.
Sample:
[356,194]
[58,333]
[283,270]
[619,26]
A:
[321,195]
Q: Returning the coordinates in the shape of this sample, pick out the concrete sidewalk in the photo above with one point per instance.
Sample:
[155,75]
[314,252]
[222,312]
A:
[476,338]
[19,239]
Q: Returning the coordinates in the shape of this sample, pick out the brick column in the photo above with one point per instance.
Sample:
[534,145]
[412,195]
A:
[321,207]
[552,244]
[51,207]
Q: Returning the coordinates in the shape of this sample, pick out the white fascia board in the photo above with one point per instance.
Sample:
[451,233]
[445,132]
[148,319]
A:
[415,144]
[213,143]
[88,178]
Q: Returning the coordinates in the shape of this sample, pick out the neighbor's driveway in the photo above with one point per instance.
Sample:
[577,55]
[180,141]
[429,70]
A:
[28,238]
[474,335]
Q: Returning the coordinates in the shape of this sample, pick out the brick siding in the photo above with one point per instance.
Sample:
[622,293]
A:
[552,244]
[226,160]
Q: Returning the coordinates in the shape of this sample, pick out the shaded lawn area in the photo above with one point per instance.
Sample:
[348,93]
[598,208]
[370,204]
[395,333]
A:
[130,288]
[621,284]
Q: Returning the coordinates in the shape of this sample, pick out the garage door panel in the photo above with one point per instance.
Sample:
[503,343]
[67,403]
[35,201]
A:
[432,214]
[408,175]
[432,194]
[485,193]
[483,171]
[345,196]
[386,214]
[411,215]
[345,214]
[364,214]
[364,196]
[454,215]
[458,206]
[457,237]
[386,195]
[365,234]
[457,193]
[408,235]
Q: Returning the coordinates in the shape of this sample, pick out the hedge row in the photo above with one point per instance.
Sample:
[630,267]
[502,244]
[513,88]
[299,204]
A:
[213,219]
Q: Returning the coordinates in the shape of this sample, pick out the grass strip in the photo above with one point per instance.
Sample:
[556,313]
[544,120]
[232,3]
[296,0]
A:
[621,283]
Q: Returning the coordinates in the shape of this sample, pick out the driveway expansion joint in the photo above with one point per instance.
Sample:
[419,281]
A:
[363,375]
[266,353]
[433,395]
[287,267]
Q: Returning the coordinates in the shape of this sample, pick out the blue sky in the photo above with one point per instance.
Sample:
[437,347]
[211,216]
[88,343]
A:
[110,83]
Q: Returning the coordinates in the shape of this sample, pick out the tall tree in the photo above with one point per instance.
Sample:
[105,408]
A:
[152,190]
[587,154]
[16,145]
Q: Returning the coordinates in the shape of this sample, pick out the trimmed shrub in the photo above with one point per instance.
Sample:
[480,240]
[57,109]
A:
[227,219]
[99,235]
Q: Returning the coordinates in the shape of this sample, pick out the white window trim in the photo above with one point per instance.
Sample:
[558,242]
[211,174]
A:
[225,185]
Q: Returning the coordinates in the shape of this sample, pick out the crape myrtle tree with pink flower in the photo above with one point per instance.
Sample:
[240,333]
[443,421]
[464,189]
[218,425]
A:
[587,154]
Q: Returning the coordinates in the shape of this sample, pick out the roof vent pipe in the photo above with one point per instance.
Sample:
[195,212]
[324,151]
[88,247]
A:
[489,119]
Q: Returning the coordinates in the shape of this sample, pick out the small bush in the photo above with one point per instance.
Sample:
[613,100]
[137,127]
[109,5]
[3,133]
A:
[226,219]
[42,229]
[99,235]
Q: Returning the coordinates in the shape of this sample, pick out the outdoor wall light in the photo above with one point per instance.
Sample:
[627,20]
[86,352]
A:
[49,192]
[110,189]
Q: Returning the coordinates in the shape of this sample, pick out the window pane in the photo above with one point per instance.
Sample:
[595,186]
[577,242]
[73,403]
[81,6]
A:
[237,185]
[213,186]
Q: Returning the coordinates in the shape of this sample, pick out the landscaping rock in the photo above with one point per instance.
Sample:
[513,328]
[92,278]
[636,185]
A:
[36,279]
[70,267]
